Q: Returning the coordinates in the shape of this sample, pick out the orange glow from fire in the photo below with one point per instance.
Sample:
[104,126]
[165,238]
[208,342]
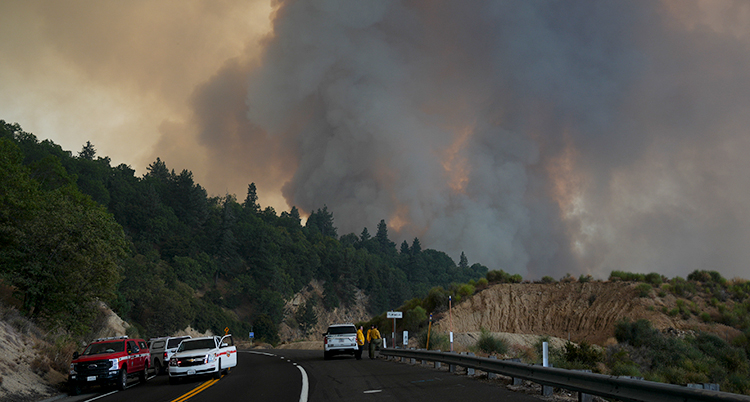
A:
[566,183]
[456,164]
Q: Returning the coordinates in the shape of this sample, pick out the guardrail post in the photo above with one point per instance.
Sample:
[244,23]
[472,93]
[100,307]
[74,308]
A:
[437,363]
[515,380]
[709,386]
[583,397]
[451,367]
[546,390]
[492,376]
[469,370]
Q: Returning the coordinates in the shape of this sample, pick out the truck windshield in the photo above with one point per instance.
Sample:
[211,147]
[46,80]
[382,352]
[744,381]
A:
[174,342]
[197,344]
[105,347]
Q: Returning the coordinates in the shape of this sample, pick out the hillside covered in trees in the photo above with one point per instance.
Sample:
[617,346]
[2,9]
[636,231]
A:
[165,255]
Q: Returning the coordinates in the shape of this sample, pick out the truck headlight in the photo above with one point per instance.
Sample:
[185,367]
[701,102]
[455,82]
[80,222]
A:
[73,369]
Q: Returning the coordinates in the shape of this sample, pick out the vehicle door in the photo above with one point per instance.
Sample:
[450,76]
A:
[228,351]
[145,354]
[133,351]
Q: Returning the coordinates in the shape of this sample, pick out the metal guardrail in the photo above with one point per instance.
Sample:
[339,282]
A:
[624,389]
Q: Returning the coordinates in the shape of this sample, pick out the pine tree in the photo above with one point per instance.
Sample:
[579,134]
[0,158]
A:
[88,152]
[463,262]
[365,236]
[251,201]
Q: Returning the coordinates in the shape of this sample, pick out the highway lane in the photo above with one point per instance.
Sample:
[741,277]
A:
[275,375]
[345,379]
[258,376]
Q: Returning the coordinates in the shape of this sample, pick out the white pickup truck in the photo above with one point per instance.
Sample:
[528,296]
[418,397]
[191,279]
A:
[210,355]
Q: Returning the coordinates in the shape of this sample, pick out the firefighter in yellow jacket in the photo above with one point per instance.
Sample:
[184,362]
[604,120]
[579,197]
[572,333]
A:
[360,343]
[373,339]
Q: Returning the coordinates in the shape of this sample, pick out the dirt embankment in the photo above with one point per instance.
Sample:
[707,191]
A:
[289,330]
[576,311]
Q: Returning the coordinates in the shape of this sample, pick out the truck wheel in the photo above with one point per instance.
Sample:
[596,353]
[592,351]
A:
[143,375]
[123,378]
[157,367]
[73,388]
[217,374]
[326,355]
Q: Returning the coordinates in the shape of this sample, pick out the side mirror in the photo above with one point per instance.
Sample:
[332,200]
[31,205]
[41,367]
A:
[224,345]
[75,355]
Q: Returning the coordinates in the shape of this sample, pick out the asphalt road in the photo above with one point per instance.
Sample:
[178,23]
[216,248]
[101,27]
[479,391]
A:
[303,375]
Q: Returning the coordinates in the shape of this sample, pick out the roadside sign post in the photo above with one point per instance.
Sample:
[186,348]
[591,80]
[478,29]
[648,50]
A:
[394,315]
[429,328]
[450,315]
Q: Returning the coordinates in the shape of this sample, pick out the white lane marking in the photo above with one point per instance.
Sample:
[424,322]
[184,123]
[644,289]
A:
[259,353]
[373,391]
[102,396]
[305,385]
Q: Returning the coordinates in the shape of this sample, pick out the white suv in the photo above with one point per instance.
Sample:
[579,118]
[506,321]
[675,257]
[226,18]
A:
[207,355]
[340,338]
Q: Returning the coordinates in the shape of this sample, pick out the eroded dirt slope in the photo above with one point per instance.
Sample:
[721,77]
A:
[576,311]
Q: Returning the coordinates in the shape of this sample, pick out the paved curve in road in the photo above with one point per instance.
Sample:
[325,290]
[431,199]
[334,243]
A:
[285,375]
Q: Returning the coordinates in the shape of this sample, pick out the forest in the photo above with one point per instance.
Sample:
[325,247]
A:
[165,255]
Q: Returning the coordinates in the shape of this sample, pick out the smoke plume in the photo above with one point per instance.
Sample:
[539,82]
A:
[538,137]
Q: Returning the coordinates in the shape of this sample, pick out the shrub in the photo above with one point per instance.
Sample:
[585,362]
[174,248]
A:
[464,291]
[490,344]
[548,279]
[705,317]
[643,289]
[567,278]
[637,333]
[626,369]
[653,279]
[707,277]
[585,278]
[583,354]
[736,383]
[497,276]
[438,340]
[626,276]
[414,319]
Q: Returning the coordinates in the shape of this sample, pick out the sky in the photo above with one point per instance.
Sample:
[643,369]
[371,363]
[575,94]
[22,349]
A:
[537,137]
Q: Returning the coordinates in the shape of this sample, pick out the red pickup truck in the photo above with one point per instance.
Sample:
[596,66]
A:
[109,361]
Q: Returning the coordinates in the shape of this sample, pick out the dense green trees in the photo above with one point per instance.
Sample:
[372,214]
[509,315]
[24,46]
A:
[59,249]
[209,262]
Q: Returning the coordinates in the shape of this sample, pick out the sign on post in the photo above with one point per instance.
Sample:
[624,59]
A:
[394,315]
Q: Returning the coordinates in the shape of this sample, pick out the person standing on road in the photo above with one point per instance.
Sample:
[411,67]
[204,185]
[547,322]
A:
[360,343]
[373,338]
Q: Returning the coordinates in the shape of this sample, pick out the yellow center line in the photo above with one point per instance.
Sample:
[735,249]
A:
[196,391]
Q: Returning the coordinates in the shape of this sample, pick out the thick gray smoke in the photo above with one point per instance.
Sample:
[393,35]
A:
[537,137]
